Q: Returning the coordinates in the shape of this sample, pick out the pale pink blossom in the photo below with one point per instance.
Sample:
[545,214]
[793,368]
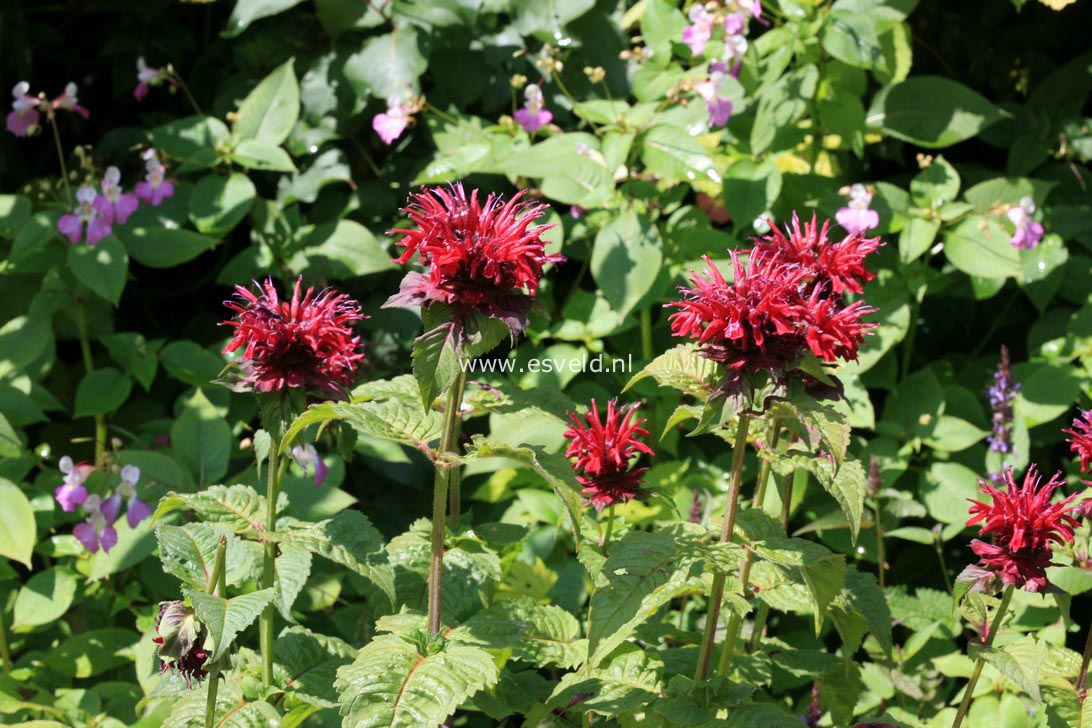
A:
[98,530]
[307,457]
[147,76]
[136,510]
[719,108]
[24,119]
[533,116]
[700,30]
[93,214]
[1028,232]
[391,124]
[857,217]
[122,204]
[72,492]
[68,101]
[155,188]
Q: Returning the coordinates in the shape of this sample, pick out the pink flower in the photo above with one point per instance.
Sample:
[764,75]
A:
[735,23]
[154,189]
[306,456]
[576,212]
[533,116]
[92,211]
[122,204]
[1028,232]
[720,109]
[136,510]
[98,530]
[69,102]
[72,492]
[856,217]
[147,76]
[391,124]
[698,33]
[24,120]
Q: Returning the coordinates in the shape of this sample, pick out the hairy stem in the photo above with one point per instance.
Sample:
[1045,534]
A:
[215,585]
[716,596]
[993,628]
[452,419]
[89,366]
[5,654]
[454,475]
[269,565]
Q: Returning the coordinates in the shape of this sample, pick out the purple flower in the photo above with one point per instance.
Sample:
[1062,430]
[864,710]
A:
[68,101]
[72,492]
[390,125]
[698,33]
[735,23]
[147,76]
[1001,394]
[122,204]
[856,217]
[98,530]
[155,188]
[92,211]
[533,116]
[1028,232]
[306,456]
[719,108]
[24,119]
[136,510]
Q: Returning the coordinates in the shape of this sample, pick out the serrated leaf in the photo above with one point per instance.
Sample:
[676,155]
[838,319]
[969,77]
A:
[644,572]
[238,508]
[684,369]
[391,683]
[862,607]
[232,709]
[189,552]
[1019,661]
[306,664]
[555,469]
[348,539]
[291,569]
[395,420]
[628,682]
[223,619]
[535,633]
[822,572]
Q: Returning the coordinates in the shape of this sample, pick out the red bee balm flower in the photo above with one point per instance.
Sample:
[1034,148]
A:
[1081,441]
[603,451]
[480,256]
[305,342]
[841,264]
[1023,522]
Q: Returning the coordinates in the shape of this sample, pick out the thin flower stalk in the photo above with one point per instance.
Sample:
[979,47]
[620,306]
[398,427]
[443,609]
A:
[276,470]
[450,436]
[993,629]
[217,585]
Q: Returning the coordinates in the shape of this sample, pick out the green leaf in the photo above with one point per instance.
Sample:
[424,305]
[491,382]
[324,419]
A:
[163,247]
[862,607]
[44,598]
[661,27]
[306,664]
[11,446]
[291,569]
[554,468]
[218,204]
[202,439]
[22,340]
[644,572]
[348,539]
[261,155]
[447,342]
[672,153]
[626,259]
[684,369]
[237,508]
[135,353]
[823,573]
[189,552]
[946,489]
[269,112]
[538,634]
[92,653]
[15,210]
[343,249]
[401,684]
[223,619]
[17,529]
[848,488]
[102,392]
[102,267]
[395,420]
[34,235]
[232,709]
[931,111]
[192,139]
[852,38]
[750,189]
[1019,661]
[630,681]
[979,246]
[781,105]
[935,185]
[916,238]
[389,64]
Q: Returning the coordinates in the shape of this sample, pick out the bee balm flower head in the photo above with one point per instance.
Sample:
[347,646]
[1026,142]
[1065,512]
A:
[603,448]
[1080,438]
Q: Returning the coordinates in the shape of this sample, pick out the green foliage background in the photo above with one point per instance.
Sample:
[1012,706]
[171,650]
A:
[952,111]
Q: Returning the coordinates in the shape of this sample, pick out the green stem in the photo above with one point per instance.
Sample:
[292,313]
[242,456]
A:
[269,565]
[1080,678]
[646,334]
[716,596]
[908,342]
[215,585]
[454,474]
[939,546]
[5,654]
[60,158]
[610,526]
[89,366]
[440,500]
[881,549]
[993,628]
[735,622]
